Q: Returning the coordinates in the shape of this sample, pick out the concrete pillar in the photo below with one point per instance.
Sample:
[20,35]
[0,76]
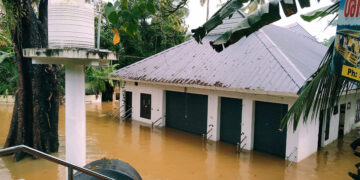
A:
[213,118]
[247,123]
[122,99]
[163,108]
[75,120]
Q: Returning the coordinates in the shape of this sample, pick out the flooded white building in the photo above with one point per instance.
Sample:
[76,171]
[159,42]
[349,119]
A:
[238,96]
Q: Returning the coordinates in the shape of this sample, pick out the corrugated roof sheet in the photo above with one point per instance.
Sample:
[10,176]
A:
[299,29]
[272,59]
[227,24]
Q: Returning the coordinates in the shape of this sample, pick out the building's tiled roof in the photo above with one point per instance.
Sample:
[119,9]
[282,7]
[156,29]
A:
[273,59]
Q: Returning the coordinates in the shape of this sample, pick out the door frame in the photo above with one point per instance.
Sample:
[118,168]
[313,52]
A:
[128,104]
[222,119]
[341,133]
[145,111]
[283,108]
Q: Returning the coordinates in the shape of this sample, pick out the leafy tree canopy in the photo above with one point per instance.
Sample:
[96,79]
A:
[8,73]
[150,33]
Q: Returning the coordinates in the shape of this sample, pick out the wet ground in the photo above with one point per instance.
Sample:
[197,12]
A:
[171,154]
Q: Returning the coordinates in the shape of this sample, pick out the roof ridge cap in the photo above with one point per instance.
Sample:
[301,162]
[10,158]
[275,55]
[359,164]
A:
[283,55]
[297,24]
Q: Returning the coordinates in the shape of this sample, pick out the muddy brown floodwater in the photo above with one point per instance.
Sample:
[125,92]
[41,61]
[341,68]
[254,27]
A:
[170,154]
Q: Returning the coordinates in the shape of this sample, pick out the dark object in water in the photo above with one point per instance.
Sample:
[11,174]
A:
[110,167]
[354,176]
[355,144]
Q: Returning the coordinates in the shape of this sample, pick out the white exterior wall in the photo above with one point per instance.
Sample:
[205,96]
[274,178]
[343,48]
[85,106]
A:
[157,96]
[93,99]
[213,123]
[350,113]
[307,138]
[248,122]
[299,144]
[308,133]
[349,117]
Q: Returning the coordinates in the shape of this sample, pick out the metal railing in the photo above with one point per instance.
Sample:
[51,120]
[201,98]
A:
[128,114]
[116,112]
[291,157]
[156,124]
[206,135]
[37,153]
[240,145]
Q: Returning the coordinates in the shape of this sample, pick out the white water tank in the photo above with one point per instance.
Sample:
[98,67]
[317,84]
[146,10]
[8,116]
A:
[71,24]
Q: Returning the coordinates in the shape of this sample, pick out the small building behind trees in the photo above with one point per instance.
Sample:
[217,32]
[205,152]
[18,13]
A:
[238,96]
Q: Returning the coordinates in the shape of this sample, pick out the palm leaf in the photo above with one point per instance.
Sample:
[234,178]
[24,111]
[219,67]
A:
[289,7]
[321,12]
[321,92]
[265,14]
[4,55]
[225,11]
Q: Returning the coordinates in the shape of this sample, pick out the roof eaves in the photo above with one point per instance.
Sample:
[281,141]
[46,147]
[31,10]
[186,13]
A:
[240,90]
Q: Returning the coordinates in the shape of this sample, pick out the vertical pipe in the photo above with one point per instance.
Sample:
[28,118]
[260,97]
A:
[75,120]
[70,173]
[98,28]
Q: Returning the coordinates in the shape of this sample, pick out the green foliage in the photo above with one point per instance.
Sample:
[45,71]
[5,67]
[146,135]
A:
[155,32]
[320,92]
[125,15]
[8,72]
[95,78]
[321,12]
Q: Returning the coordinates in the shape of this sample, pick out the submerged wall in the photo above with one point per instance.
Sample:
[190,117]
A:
[299,144]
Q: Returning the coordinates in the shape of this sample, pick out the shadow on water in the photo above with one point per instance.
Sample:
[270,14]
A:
[165,153]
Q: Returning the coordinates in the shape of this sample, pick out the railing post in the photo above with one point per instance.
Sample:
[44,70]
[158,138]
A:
[70,174]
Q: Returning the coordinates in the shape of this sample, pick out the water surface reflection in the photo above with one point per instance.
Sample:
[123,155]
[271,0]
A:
[171,154]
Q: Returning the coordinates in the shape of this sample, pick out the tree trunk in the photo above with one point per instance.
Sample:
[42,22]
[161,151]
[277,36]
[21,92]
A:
[108,94]
[35,116]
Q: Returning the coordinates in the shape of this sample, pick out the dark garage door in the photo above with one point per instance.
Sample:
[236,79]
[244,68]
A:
[230,120]
[267,137]
[186,112]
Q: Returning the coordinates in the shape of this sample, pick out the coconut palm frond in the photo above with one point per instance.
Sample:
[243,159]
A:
[267,14]
[259,16]
[321,92]
[251,6]
[225,11]
[321,12]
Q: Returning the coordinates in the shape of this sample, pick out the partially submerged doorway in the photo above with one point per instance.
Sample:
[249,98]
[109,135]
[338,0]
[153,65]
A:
[230,120]
[341,120]
[128,104]
[267,136]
